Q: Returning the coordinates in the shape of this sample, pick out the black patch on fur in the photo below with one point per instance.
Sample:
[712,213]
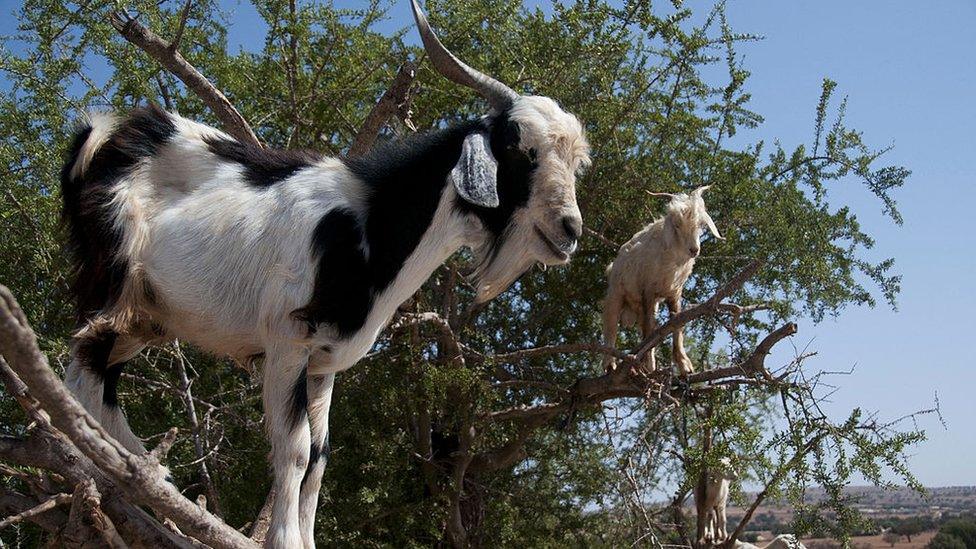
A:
[92,352]
[405,179]
[262,167]
[93,241]
[110,382]
[299,400]
[342,294]
[515,169]
[315,454]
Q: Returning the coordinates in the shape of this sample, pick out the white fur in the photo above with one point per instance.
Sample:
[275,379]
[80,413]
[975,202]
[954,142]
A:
[652,267]
[710,502]
[782,541]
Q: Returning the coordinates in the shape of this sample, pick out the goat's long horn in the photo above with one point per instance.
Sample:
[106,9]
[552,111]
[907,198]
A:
[498,95]
[662,195]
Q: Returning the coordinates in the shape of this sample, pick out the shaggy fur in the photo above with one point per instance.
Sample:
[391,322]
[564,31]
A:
[652,267]
[178,231]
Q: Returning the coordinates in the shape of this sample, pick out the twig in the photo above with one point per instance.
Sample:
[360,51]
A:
[46,505]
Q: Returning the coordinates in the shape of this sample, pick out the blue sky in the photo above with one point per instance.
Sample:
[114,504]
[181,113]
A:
[908,70]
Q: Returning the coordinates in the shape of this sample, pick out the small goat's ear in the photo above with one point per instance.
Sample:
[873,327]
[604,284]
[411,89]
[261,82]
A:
[711,226]
[476,173]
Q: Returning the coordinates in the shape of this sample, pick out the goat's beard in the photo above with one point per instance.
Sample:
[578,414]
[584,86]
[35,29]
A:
[502,260]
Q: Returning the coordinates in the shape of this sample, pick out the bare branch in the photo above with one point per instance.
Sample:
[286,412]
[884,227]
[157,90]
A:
[175,44]
[684,317]
[137,475]
[167,56]
[44,506]
[390,103]
[14,505]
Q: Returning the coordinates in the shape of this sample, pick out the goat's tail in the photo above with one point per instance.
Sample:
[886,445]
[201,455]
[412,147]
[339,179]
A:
[92,132]
[91,237]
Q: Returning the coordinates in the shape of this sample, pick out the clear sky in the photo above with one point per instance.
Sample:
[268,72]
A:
[908,68]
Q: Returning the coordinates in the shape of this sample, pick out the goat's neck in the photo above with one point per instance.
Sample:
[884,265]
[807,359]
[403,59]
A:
[447,232]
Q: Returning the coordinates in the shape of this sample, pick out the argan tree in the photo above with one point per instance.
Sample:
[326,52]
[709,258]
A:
[467,424]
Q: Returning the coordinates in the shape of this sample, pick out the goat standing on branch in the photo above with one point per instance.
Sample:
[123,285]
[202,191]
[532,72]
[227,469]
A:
[180,231]
[711,497]
[654,266]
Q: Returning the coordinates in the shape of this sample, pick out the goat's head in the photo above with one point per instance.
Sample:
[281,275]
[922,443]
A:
[722,471]
[686,219]
[518,177]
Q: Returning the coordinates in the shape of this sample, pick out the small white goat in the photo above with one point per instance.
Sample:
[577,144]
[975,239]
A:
[711,496]
[654,266]
[782,541]
[179,231]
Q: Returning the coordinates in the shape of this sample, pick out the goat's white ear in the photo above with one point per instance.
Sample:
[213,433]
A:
[476,173]
[711,226]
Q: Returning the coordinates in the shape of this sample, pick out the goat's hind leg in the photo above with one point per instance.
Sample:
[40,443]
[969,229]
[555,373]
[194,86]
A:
[97,360]
[319,401]
[678,339]
[648,321]
[611,322]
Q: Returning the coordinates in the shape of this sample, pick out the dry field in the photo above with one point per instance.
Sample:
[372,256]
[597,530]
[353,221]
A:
[873,542]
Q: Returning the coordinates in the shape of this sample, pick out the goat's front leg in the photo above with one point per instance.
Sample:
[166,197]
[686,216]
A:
[678,339]
[720,533]
[285,402]
[319,400]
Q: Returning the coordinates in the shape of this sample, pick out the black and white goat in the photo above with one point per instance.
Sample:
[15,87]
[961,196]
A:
[179,231]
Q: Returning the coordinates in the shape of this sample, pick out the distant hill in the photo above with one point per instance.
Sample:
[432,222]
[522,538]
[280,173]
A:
[878,503]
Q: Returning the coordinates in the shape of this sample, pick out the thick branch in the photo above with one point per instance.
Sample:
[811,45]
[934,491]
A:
[168,56]
[138,475]
[389,104]
[46,448]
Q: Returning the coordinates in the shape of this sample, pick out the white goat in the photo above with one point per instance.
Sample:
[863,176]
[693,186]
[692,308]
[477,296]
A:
[782,541]
[179,231]
[654,266]
[711,497]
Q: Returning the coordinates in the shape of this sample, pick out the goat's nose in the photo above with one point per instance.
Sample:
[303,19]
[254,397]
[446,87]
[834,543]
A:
[573,226]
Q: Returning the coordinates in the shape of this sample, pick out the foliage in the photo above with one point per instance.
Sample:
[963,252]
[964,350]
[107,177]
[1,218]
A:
[955,533]
[636,76]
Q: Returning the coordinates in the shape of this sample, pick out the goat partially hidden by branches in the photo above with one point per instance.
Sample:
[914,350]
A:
[653,266]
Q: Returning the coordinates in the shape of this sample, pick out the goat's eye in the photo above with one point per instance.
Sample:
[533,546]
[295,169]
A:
[532,154]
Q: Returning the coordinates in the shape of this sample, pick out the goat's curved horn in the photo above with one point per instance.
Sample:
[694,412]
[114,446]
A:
[499,95]
[662,195]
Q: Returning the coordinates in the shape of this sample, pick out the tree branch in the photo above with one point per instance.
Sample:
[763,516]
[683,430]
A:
[389,104]
[137,475]
[166,55]
[43,507]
